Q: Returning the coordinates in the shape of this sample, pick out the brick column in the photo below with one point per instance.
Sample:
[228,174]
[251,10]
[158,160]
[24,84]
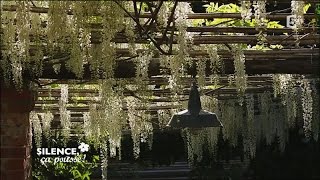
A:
[15,134]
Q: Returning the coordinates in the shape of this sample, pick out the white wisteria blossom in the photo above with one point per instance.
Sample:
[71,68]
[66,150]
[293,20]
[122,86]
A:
[250,133]
[307,103]
[297,9]
[260,14]
[240,75]
[36,125]
[246,10]
[46,119]
[65,115]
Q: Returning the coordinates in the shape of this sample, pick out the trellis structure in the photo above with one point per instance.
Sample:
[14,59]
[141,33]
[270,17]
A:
[132,62]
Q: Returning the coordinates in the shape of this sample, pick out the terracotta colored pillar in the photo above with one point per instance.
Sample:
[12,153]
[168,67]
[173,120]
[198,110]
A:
[15,134]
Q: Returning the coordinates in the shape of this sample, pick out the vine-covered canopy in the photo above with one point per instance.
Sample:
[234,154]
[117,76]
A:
[128,65]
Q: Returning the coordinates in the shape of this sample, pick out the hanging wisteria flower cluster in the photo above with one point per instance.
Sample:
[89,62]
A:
[80,39]
[265,105]
[194,140]
[46,118]
[181,15]
[201,71]
[297,10]
[67,31]
[216,63]
[41,125]
[316,112]
[103,123]
[56,28]
[16,29]
[112,22]
[250,132]
[37,32]
[104,159]
[92,125]
[260,14]
[142,67]
[9,62]
[239,71]
[163,117]
[260,17]
[130,31]
[307,103]
[278,125]
[184,38]
[284,86]
[230,121]
[135,129]
[176,66]
[291,103]
[210,103]
[140,125]
[87,123]
[178,61]
[111,117]
[163,15]
[270,123]
[37,130]
[64,113]
[245,9]
[281,84]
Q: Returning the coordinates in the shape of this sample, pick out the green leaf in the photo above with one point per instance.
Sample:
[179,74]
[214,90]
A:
[85,176]
[197,22]
[306,7]
[216,6]
[76,173]
[274,24]
[318,9]
[95,158]
[54,85]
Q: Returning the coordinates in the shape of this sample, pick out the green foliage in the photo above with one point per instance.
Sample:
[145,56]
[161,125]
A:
[94,19]
[228,8]
[55,86]
[306,7]
[232,8]
[318,9]
[317,12]
[143,5]
[274,24]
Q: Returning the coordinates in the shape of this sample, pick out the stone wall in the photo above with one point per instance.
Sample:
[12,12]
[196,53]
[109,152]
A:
[15,134]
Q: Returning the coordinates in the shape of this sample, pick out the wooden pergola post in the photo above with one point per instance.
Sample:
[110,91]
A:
[15,133]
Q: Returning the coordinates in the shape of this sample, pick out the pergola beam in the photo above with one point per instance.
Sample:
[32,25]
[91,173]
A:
[151,107]
[126,69]
[232,39]
[247,30]
[275,16]
[156,92]
[161,80]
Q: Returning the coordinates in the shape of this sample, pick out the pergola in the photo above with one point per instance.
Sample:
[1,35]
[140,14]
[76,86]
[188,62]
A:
[139,58]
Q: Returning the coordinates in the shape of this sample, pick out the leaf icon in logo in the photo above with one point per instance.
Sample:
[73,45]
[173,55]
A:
[83,147]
